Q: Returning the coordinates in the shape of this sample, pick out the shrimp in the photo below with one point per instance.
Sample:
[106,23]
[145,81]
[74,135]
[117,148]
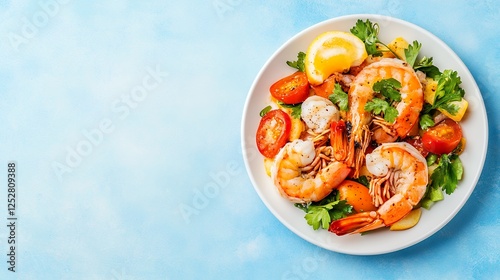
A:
[288,173]
[399,182]
[361,92]
[318,113]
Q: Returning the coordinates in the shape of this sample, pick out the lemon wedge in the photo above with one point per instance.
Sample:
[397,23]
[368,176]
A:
[333,51]
[408,221]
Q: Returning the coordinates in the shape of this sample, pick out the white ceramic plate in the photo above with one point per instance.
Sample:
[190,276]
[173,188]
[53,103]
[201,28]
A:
[475,129]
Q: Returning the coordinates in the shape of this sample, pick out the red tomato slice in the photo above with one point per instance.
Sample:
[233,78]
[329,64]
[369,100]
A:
[292,89]
[442,138]
[418,144]
[273,132]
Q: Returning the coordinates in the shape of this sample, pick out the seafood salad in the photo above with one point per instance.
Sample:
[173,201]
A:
[363,134]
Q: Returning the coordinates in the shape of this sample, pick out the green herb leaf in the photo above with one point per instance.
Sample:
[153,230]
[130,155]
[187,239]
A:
[447,174]
[457,167]
[431,159]
[424,62]
[363,180]
[317,216]
[389,88]
[427,109]
[264,111]
[411,52]
[426,65]
[299,63]
[368,33]
[340,210]
[448,90]
[296,108]
[322,213]
[378,106]
[390,114]
[339,97]
[426,121]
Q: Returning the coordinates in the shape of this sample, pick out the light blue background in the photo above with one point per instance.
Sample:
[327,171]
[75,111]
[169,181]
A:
[185,67]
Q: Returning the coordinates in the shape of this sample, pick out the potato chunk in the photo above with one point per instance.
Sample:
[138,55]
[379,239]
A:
[408,221]
[398,46]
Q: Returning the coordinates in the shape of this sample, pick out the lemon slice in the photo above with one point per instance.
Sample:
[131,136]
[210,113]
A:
[330,52]
[408,221]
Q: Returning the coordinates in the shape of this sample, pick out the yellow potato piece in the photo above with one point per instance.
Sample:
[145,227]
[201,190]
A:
[385,51]
[268,162]
[462,108]
[430,94]
[297,128]
[398,46]
[408,221]
[430,90]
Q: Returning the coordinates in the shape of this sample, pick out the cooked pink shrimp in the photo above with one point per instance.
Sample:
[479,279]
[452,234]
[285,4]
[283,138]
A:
[399,182]
[361,92]
[294,184]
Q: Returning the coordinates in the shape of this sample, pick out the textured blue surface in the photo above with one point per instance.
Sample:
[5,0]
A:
[122,115]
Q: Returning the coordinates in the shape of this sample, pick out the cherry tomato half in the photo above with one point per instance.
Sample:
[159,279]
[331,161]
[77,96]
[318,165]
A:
[442,138]
[273,132]
[292,89]
[418,144]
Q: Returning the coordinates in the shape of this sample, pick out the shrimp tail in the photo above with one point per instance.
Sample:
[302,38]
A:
[356,223]
[338,140]
[357,149]
[390,212]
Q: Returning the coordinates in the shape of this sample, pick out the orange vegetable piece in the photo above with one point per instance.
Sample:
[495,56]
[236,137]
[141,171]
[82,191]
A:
[356,195]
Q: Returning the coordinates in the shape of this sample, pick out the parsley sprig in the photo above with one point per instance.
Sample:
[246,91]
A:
[447,174]
[322,213]
[339,97]
[426,65]
[389,89]
[299,63]
[411,52]
[296,108]
[368,33]
[426,119]
[448,91]
[379,106]
[444,177]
